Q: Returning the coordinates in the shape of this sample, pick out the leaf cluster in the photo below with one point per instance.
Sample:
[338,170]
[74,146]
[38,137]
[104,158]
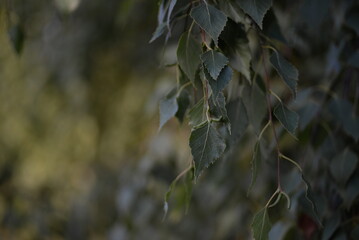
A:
[227,55]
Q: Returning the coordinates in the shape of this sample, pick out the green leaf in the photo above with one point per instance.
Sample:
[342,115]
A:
[286,70]
[256,9]
[206,146]
[310,198]
[210,19]
[232,37]
[188,55]
[187,186]
[232,10]
[217,106]
[241,61]
[288,118]
[214,62]
[351,192]
[272,29]
[331,226]
[182,79]
[255,103]
[217,109]
[256,162]
[261,225]
[343,112]
[168,108]
[307,113]
[234,44]
[343,166]
[167,197]
[183,102]
[224,78]
[197,114]
[238,118]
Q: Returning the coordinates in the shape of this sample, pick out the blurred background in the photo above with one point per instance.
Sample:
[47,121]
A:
[78,113]
[80,152]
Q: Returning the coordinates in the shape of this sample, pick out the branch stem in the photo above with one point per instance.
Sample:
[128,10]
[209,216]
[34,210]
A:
[271,198]
[270,116]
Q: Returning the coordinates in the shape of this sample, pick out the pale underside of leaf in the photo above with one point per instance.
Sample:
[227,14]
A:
[168,109]
[165,12]
[158,32]
[170,10]
[162,11]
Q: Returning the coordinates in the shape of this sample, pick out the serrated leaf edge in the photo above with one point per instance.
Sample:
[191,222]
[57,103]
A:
[207,67]
[261,23]
[215,40]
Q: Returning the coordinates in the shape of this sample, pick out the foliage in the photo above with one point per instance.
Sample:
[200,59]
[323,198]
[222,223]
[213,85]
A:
[270,86]
[230,50]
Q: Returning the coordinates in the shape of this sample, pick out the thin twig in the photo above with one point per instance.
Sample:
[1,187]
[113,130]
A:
[268,92]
